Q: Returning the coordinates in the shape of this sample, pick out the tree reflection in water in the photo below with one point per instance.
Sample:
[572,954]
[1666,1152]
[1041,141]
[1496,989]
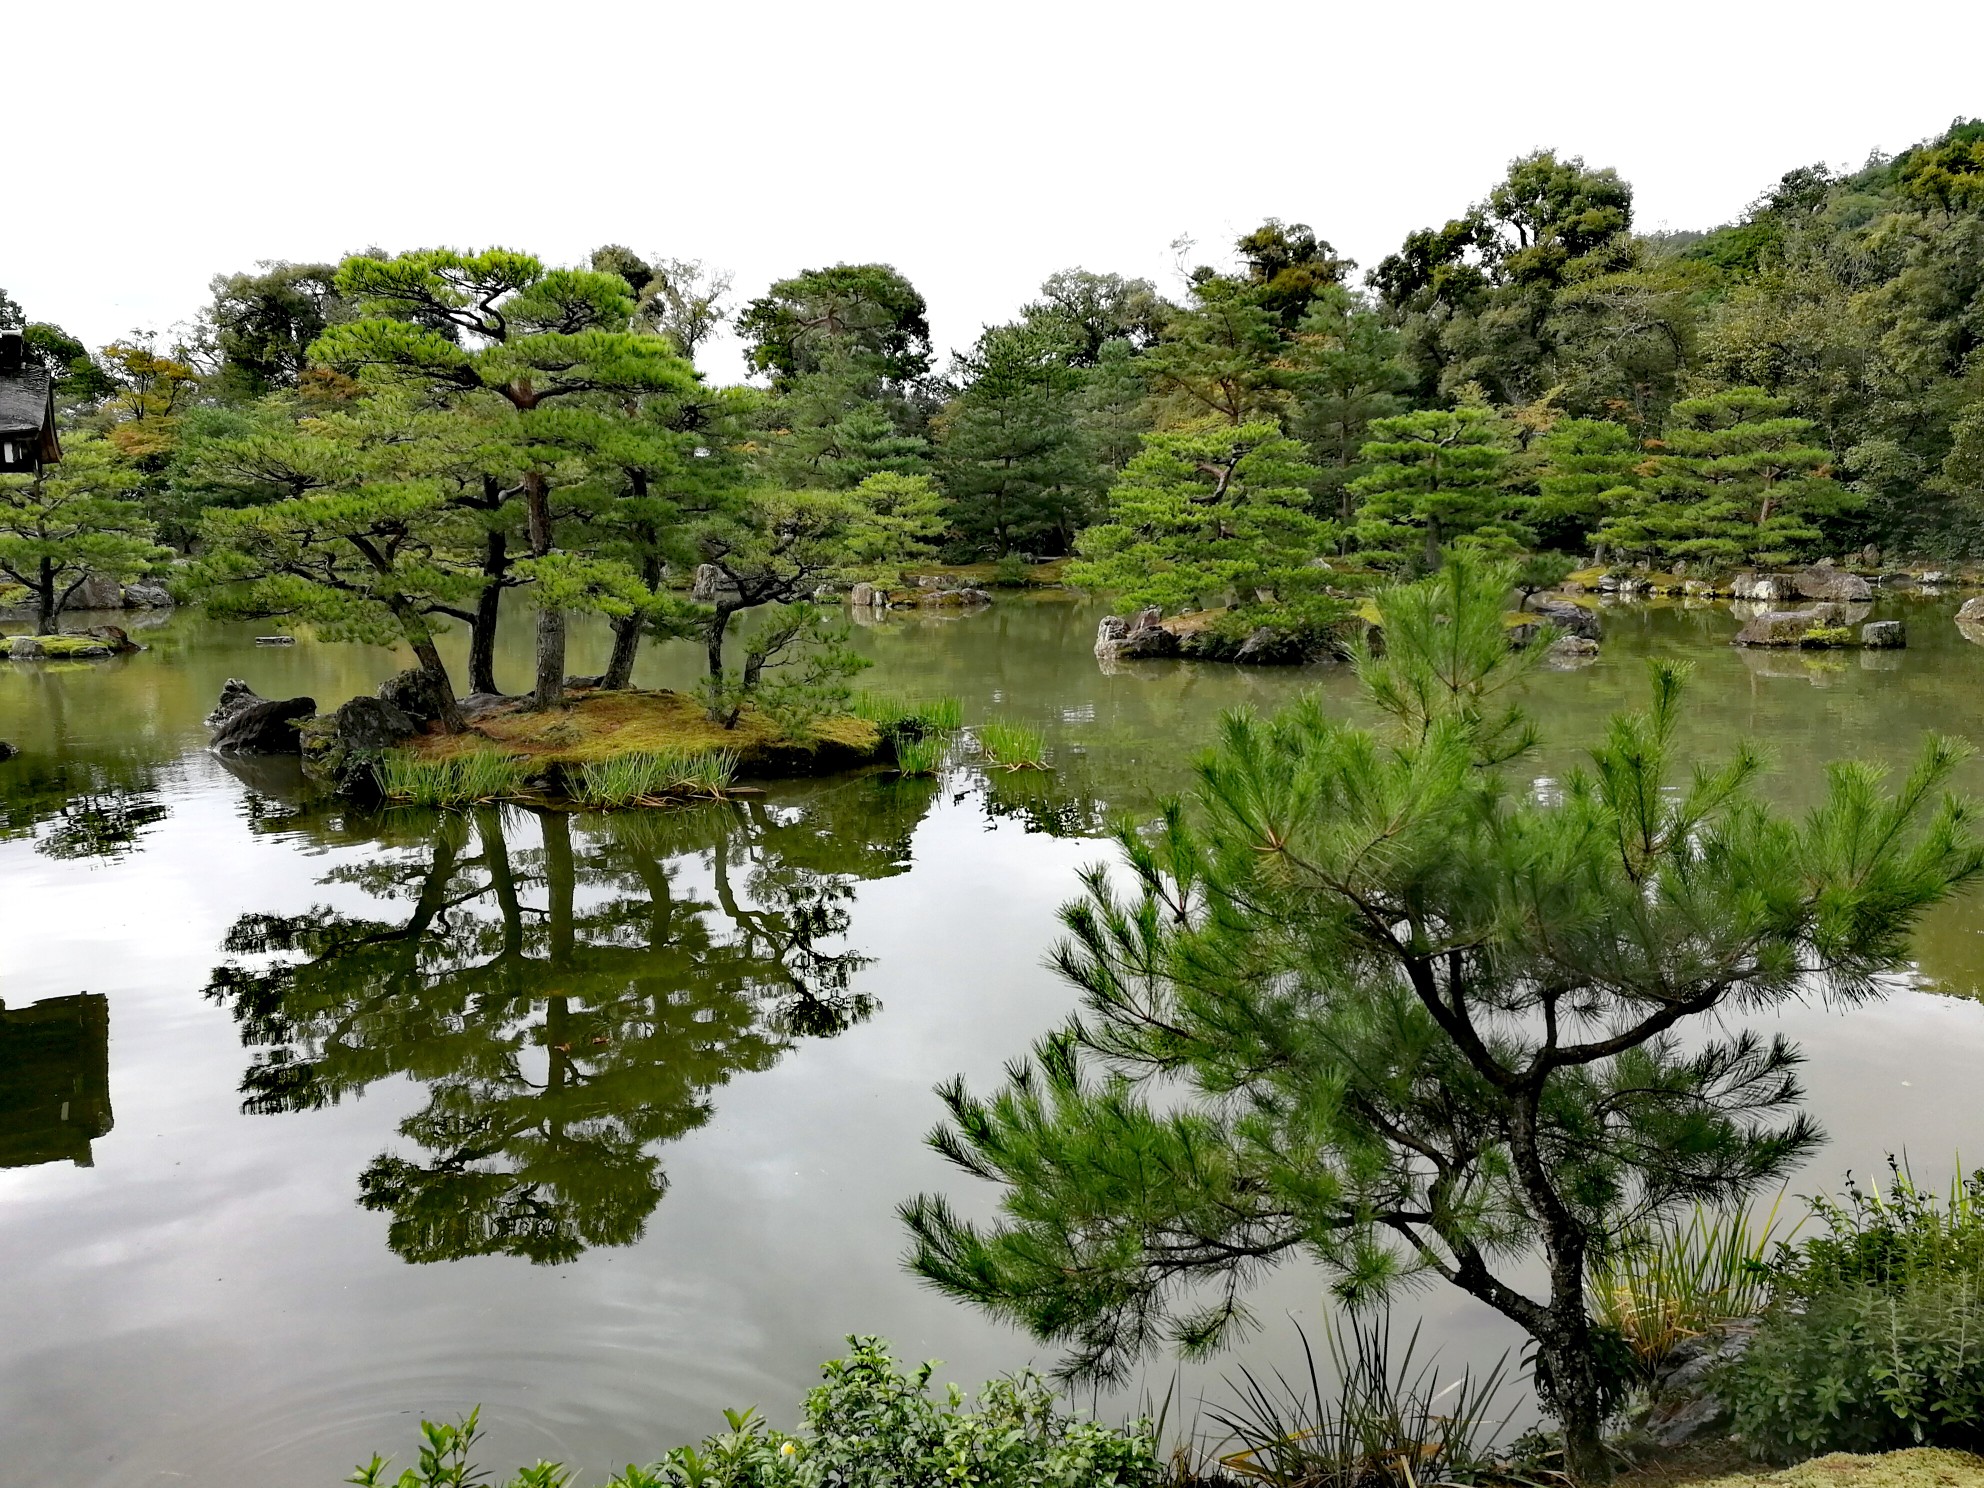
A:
[564,995]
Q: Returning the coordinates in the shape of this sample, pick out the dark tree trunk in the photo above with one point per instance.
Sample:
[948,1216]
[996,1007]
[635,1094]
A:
[44,608]
[719,623]
[488,609]
[444,687]
[626,646]
[549,691]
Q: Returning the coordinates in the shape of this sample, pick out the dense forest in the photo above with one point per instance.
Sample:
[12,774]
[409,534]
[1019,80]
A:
[385,445]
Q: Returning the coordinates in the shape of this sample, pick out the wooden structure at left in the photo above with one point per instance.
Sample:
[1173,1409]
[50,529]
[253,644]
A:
[54,1079]
[27,410]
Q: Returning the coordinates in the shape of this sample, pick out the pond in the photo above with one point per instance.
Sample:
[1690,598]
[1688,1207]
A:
[314,1121]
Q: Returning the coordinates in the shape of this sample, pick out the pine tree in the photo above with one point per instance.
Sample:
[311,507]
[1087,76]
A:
[1737,479]
[1437,474]
[71,521]
[1590,474]
[1364,1003]
[1206,515]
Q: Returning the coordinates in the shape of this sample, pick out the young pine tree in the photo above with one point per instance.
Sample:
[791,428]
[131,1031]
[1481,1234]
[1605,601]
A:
[1590,473]
[71,521]
[1366,1001]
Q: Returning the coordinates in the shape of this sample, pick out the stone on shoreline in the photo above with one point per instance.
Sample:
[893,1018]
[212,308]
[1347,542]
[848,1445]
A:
[1785,627]
[1884,634]
[244,722]
[1135,637]
[1834,585]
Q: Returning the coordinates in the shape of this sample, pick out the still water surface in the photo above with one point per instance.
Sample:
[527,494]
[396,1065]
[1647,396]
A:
[312,1122]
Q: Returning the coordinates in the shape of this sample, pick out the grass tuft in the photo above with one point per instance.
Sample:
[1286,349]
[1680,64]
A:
[648,779]
[921,756]
[463,779]
[1012,746]
[1665,1282]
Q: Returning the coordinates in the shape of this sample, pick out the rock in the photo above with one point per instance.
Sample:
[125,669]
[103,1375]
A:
[1698,589]
[1572,619]
[865,596]
[7,751]
[234,696]
[1571,650]
[257,725]
[1784,627]
[417,694]
[1630,587]
[957,597]
[1264,646]
[1763,588]
[711,583]
[56,647]
[341,749]
[1898,581]
[114,637]
[1936,576]
[1823,581]
[275,640]
[1887,635]
[97,592]
[1682,1406]
[476,704]
[1870,556]
[1134,638]
[1971,611]
[147,597]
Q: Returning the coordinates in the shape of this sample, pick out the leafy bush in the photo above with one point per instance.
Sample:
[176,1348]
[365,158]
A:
[867,1425]
[1298,630]
[1896,1239]
[1864,1368]
[1010,572]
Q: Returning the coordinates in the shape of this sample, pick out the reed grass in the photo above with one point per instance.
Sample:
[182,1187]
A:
[910,718]
[463,779]
[1012,746]
[1661,1283]
[923,756]
[1382,1420]
[652,778]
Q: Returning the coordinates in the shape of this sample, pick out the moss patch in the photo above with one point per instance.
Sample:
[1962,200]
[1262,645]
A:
[1918,1467]
[600,726]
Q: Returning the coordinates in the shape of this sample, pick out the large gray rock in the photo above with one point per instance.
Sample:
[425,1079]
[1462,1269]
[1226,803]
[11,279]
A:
[342,748]
[1134,637]
[1571,651]
[711,584]
[97,592]
[147,597]
[1889,635]
[247,724]
[415,692]
[1763,588]
[959,597]
[865,596]
[1834,585]
[1785,627]
[57,648]
[1971,611]
[1571,619]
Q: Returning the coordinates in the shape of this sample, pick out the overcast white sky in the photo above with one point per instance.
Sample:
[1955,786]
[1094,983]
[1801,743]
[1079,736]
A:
[976,147]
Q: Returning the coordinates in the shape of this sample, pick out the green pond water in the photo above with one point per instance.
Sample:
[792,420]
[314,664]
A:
[313,1121]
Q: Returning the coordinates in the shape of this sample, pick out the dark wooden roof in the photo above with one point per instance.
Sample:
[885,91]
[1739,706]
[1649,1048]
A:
[27,407]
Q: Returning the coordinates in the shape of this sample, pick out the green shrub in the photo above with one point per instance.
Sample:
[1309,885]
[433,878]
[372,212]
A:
[1896,1239]
[1827,635]
[1863,1368]
[463,779]
[867,1425]
[910,718]
[1012,746]
[1301,629]
[1010,572]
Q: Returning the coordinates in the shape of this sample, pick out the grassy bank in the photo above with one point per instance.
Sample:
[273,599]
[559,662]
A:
[620,749]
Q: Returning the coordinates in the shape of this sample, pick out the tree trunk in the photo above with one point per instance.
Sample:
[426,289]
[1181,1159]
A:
[719,623]
[44,608]
[1567,1353]
[550,689]
[444,689]
[488,607]
[626,645]
[1432,544]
